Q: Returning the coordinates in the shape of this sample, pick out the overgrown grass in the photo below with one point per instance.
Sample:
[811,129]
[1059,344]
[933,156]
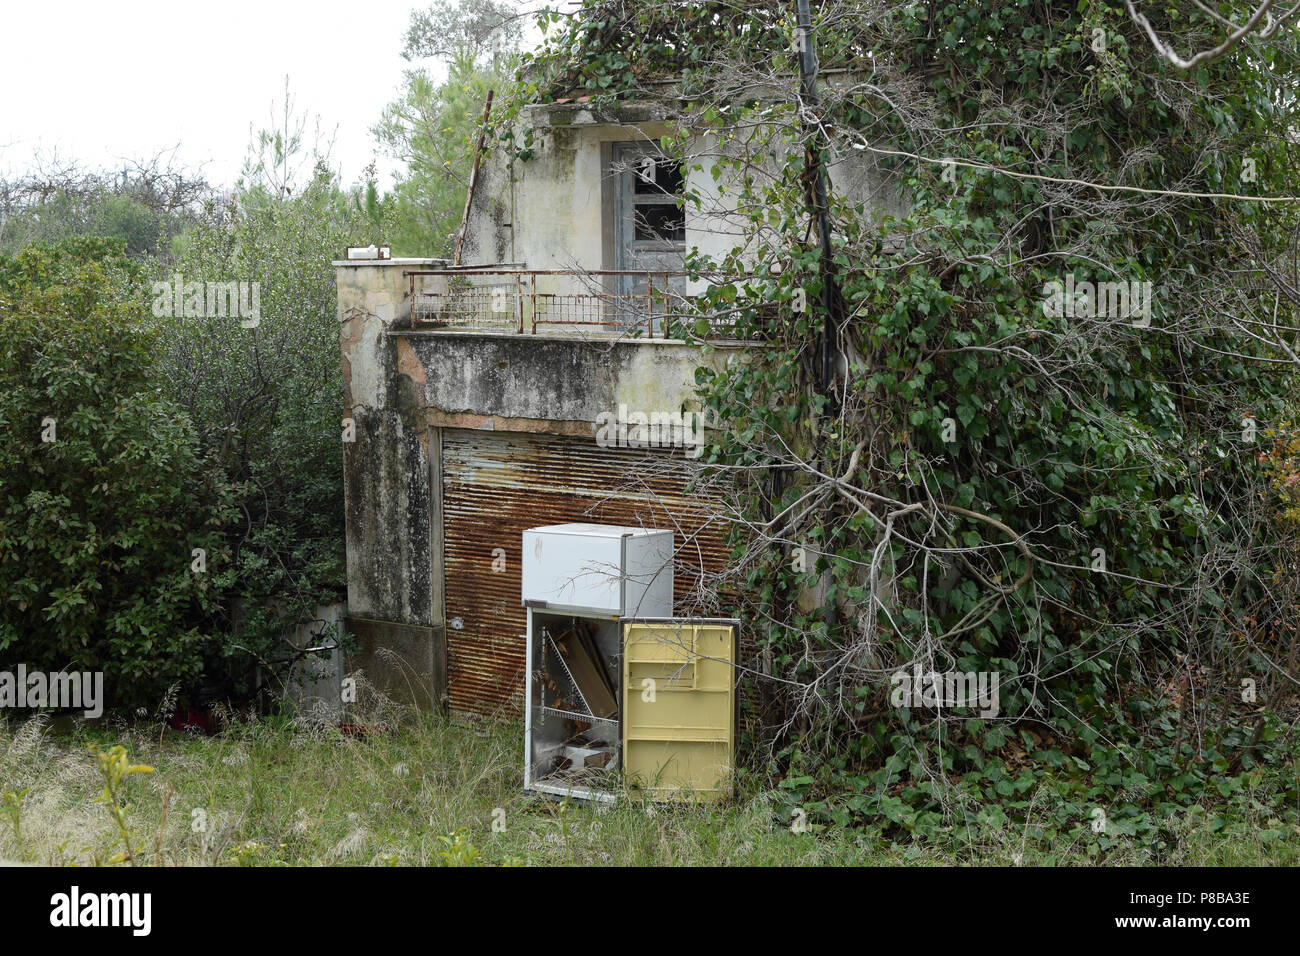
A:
[276,792]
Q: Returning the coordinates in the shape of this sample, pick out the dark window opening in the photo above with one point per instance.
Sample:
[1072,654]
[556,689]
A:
[662,222]
[661,177]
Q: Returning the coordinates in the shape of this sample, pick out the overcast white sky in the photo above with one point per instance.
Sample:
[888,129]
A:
[106,82]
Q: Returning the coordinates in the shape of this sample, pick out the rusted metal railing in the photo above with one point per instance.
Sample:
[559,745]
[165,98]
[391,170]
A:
[519,300]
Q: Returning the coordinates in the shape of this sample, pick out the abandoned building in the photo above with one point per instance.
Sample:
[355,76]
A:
[475,394]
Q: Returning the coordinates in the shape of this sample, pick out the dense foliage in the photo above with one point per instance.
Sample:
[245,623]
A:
[1071,501]
[145,204]
[189,510]
[181,429]
[265,396]
[106,489]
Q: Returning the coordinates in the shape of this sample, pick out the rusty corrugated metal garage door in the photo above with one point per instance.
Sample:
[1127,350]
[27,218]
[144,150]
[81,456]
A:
[498,484]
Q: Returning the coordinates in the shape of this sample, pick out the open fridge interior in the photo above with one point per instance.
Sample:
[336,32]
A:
[574,744]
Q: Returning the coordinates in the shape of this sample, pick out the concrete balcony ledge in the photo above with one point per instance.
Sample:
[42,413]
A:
[388,263]
[566,335]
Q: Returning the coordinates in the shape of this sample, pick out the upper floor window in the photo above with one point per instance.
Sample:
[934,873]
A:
[650,198]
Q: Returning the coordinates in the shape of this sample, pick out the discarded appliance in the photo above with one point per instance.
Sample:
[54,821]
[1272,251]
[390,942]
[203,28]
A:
[621,696]
[369,252]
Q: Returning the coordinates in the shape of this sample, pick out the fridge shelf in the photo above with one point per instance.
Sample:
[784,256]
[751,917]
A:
[567,673]
[574,715]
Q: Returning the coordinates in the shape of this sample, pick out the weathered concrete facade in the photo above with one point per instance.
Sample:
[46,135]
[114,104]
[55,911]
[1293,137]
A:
[467,431]
[557,209]
[392,602]
[402,387]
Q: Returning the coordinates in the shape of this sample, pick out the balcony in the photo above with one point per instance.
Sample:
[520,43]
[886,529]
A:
[622,303]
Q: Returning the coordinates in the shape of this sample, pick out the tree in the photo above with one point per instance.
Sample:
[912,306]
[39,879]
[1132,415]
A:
[279,155]
[265,392]
[1258,24]
[434,127]
[454,29]
[146,204]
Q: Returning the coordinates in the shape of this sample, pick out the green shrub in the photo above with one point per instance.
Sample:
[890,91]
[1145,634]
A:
[104,496]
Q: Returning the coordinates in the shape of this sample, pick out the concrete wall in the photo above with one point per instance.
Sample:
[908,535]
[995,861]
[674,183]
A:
[393,586]
[557,210]
[548,383]
[313,685]
[716,225]
[554,214]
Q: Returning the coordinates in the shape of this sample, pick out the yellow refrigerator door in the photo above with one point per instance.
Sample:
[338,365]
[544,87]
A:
[679,707]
